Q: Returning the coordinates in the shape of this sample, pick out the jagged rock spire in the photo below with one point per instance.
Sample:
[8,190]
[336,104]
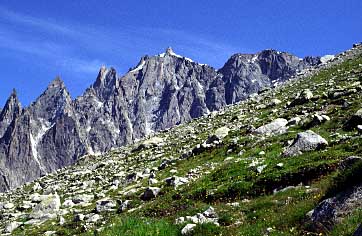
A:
[53,101]
[57,83]
[169,51]
[12,104]
[106,82]
[11,110]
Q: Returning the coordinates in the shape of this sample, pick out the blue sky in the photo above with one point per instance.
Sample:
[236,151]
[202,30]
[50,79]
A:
[40,39]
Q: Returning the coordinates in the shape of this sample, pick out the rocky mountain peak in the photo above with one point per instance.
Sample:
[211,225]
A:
[169,51]
[56,83]
[12,109]
[106,82]
[52,102]
[13,100]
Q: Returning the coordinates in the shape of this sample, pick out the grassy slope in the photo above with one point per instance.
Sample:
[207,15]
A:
[283,212]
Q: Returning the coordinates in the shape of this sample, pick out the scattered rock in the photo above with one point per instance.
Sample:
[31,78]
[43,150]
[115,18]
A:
[125,206]
[277,126]
[150,193]
[79,217]
[164,164]
[219,135]
[274,102]
[9,228]
[82,199]
[152,181]
[333,210]
[50,233]
[105,205]
[318,120]
[304,97]
[233,204]
[359,129]
[294,121]
[176,181]
[349,162]
[92,218]
[47,208]
[358,231]
[305,141]
[187,230]
[354,121]
[8,206]
[152,142]
[210,213]
[61,220]
[280,165]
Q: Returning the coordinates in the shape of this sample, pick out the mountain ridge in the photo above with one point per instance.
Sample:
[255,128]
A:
[160,92]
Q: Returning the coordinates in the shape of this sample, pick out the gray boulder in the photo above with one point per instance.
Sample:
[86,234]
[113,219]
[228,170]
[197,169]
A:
[318,120]
[218,135]
[305,141]
[187,230]
[354,121]
[150,193]
[333,210]
[105,205]
[358,231]
[10,227]
[176,181]
[303,97]
[47,208]
[277,126]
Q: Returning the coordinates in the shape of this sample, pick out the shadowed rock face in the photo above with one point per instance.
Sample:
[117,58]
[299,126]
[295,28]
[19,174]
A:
[160,92]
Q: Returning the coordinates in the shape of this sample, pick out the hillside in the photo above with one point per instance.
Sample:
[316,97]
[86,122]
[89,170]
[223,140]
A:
[283,162]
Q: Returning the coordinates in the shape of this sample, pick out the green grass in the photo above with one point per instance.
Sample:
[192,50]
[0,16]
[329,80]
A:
[129,226]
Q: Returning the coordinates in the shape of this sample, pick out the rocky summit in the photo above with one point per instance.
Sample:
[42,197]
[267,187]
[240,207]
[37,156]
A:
[160,92]
[268,145]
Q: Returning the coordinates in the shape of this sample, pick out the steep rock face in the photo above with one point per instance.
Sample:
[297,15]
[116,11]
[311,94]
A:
[47,126]
[165,90]
[16,157]
[244,74]
[160,92]
[11,111]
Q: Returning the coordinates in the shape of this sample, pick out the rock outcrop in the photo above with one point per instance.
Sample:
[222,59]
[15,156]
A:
[305,141]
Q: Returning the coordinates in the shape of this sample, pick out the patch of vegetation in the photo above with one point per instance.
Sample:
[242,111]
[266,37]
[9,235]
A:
[129,226]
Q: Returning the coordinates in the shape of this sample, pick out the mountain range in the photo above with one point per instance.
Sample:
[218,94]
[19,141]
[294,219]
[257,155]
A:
[162,91]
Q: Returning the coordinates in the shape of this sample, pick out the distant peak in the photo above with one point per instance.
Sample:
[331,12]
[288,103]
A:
[14,93]
[102,72]
[169,51]
[12,102]
[56,83]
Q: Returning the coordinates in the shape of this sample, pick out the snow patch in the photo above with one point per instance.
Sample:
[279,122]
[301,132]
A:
[179,56]
[45,126]
[255,57]
[148,128]
[199,85]
[139,67]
